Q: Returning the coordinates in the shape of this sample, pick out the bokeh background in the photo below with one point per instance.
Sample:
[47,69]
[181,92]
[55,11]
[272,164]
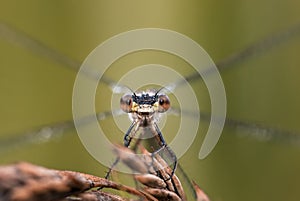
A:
[247,163]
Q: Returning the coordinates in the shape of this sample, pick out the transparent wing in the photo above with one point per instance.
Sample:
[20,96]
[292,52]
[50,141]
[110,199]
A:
[23,40]
[49,132]
[256,49]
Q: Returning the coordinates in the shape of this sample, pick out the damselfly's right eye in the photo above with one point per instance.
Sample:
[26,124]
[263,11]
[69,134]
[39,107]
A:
[164,103]
[126,103]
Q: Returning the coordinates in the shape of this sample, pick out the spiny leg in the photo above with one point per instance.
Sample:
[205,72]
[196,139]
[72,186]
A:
[127,140]
[111,167]
[127,136]
[164,145]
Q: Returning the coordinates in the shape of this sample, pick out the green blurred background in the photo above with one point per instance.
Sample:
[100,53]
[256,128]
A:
[37,91]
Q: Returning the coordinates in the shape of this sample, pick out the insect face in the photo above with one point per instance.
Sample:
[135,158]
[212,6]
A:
[145,103]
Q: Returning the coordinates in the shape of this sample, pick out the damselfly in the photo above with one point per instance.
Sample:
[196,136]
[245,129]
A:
[143,109]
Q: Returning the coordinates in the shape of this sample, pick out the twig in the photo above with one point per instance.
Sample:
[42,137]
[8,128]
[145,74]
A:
[27,182]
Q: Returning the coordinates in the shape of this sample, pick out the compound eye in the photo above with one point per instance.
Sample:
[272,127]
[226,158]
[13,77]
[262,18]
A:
[126,103]
[163,103]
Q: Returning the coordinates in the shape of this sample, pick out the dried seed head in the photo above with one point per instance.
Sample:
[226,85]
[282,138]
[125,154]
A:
[150,180]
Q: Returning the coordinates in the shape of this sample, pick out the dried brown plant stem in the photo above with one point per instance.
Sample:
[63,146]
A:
[27,182]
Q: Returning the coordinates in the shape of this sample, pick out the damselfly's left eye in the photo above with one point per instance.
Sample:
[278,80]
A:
[163,103]
[126,103]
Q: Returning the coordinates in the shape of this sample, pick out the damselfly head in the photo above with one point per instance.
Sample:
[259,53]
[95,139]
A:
[145,102]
